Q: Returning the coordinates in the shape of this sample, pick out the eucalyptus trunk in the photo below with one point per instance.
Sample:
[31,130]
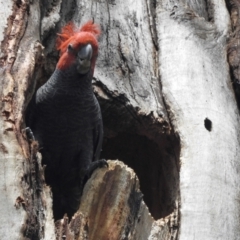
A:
[165,80]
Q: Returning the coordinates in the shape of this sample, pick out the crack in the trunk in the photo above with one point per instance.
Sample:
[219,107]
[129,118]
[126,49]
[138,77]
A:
[174,225]
[108,26]
[125,61]
[233,47]
[151,11]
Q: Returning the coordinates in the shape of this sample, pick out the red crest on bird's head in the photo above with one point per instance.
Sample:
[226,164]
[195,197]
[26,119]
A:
[87,34]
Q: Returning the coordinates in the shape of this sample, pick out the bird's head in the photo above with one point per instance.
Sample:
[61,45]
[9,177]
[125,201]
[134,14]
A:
[78,47]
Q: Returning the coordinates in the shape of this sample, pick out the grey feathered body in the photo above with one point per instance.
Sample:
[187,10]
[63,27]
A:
[66,120]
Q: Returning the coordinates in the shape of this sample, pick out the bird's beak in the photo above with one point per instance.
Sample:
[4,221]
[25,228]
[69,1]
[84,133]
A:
[84,59]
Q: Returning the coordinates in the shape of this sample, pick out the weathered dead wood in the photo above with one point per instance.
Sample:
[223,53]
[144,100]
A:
[163,83]
[25,201]
[112,207]
[204,112]
[234,46]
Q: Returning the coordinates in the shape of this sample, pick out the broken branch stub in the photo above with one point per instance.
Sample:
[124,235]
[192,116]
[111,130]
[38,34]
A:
[112,207]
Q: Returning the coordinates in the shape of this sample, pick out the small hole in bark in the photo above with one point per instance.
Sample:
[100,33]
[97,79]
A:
[152,155]
[208,124]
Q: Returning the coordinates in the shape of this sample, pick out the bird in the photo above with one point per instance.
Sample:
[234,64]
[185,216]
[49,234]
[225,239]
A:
[65,118]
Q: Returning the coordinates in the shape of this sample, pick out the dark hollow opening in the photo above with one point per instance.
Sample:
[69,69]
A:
[156,170]
[208,124]
[153,157]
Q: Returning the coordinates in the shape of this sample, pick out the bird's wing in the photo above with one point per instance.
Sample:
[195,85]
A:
[98,139]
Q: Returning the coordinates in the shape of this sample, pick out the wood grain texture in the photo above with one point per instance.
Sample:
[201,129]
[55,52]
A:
[25,200]
[112,208]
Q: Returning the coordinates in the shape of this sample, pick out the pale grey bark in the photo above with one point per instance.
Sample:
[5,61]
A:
[25,201]
[169,112]
[197,87]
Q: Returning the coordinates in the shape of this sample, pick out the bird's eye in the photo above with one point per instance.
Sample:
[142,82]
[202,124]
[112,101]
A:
[70,48]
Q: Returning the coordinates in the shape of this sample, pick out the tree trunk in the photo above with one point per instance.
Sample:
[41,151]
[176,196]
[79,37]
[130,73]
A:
[169,112]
